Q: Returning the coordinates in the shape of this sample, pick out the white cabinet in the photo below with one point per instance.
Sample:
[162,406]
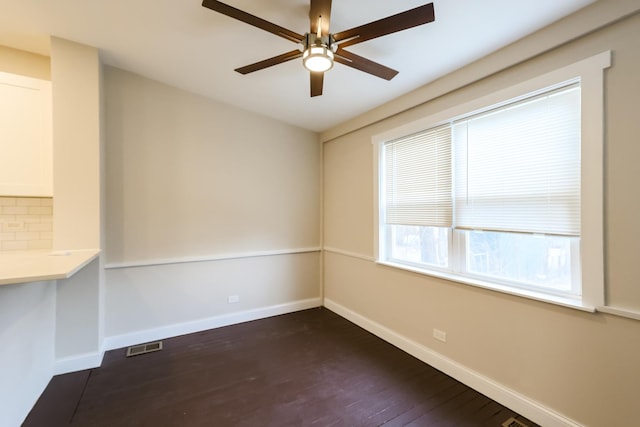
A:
[26,149]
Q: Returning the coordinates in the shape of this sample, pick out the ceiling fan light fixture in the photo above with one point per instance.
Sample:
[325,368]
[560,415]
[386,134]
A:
[317,58]
[319,47]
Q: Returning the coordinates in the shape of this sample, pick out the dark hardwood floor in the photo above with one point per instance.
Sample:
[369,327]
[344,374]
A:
[310,368]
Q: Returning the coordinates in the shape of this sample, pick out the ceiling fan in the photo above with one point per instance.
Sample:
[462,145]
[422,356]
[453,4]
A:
[319,48]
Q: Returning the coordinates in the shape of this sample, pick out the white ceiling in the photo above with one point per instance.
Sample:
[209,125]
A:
[181,43]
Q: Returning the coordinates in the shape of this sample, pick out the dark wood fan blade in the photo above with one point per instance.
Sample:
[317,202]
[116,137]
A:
[238,14]
[320,8]
[317,79]
[391,24]
[363,64]
[269,62]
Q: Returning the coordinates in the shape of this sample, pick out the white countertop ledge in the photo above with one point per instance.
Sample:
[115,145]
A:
[37,266]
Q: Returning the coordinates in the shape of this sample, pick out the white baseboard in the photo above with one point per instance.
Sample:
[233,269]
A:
[139,337]
[80,362]
[513,400]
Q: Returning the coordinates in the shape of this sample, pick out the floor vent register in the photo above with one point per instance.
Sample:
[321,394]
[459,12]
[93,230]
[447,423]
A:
[136,350]
[512,422]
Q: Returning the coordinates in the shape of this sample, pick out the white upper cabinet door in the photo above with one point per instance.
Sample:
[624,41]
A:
[26,148]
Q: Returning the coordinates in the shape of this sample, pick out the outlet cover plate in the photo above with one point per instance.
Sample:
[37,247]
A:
[440,335]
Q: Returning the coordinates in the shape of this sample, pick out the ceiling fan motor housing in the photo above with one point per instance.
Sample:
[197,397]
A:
[312,39]
[318,52]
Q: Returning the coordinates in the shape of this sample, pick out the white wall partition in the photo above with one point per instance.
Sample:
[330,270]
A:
[27,334]
[49,327]
[78,199]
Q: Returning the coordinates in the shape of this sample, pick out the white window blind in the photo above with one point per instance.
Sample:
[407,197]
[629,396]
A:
[417,179]
[517,168]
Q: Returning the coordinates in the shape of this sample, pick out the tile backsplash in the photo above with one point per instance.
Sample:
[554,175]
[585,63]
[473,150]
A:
[26,223]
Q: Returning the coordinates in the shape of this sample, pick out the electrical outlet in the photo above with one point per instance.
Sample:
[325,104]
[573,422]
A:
[232,299]
[440,335]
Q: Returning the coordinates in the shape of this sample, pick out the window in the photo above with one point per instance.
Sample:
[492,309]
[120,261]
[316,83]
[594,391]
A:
[500,194]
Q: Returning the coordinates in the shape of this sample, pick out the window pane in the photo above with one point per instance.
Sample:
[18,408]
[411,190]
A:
[418,244]
[541,261]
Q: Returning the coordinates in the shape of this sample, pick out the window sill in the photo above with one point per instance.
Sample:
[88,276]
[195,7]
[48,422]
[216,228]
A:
[574,303]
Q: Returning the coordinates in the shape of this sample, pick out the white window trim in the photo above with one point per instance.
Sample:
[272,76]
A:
[590,72]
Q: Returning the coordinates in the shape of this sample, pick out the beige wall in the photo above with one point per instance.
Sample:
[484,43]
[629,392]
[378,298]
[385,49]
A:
[583,366]
[204,201]
[75,74]
[188,176]
[24,63]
